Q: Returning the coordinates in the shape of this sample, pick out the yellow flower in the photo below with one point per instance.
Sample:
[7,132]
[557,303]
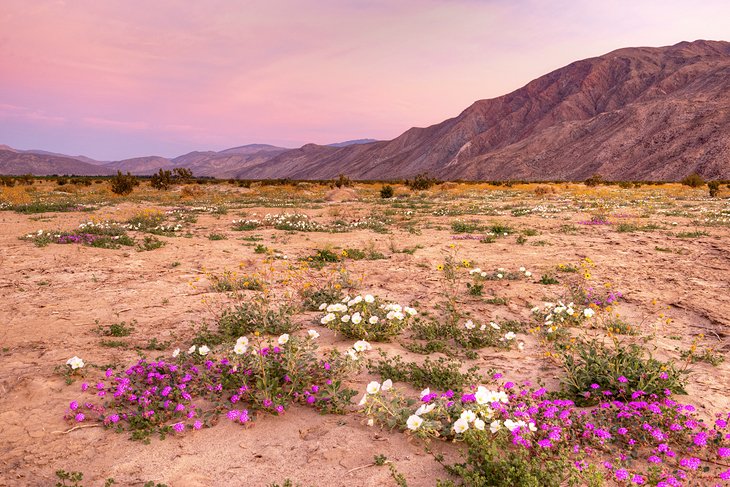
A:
[440,267]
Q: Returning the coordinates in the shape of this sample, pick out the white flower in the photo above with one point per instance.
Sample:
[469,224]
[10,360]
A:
[364,400]
[528,273]
[468,415]
[483,274]
[203,350]
[313,334]
[387,385]
[532,427]
[499,276]
[240,349]
[327,318]
[175,353]
[373,319]
[414,422]
[345,318]
[479,424]
[482,327]
[495,426]
[510,335]
[361,346]
[494,325]
[588,313]
[424,409]
[469,325]
[461,425]
[283,339]
[373,387]
[352,354]
[356,319]
[191,350]
[410,311]
[369,298]
[522,269]
[570,311]
[521,346]
[425,392]
[322,306]
[371,422]
[510,425]
[75,362]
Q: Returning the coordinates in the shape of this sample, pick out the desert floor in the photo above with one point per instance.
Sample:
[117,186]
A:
[674,278]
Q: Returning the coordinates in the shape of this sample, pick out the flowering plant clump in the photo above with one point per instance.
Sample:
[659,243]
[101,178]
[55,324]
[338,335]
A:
[92,236]
[366,317]
[520,436]
[191,390]
[554,317]
[293,221]
[477,274]
[246,224]
[473,336]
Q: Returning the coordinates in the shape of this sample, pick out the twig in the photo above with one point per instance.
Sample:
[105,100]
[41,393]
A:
[76,428]
[365,466]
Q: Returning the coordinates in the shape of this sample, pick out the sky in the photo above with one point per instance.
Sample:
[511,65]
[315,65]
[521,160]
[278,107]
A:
[113,79]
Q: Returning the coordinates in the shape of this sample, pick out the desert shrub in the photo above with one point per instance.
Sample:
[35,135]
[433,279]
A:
[161,180]
[694,180]
[594,180]
[442,374]
[543,190]
[387,191]
[253,315]
[421,182]
[230,281]
[342,181]
[8,181]
[714,188]
[123,184]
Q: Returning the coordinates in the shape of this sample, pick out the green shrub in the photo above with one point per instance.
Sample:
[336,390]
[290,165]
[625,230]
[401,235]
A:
[387,191]
[694,180]
[123,184]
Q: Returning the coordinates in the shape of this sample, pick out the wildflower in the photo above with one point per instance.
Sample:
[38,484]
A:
[191,350]
[494,325]
[425,392]
[283,339]
[175,353]
[322,306]
[79,417]
[461,425]
[203,350]
[387,385]
[479,424]
[369,298]
[414,422]
[352,354]
[621,474]
[75,363]
[588,313]
[469,325]
[528,273]
[510,335]
[179,427]
[495,426]
[373,320]
[371,422]
[362,346]
[356,319]
[373,387]
[313,334]
[468,415]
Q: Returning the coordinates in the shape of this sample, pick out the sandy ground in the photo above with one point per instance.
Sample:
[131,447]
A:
[51,298]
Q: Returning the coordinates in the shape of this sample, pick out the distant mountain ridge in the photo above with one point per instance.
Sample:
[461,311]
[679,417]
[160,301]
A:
[635,113]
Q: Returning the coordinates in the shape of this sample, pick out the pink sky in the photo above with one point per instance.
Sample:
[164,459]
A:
[121,78]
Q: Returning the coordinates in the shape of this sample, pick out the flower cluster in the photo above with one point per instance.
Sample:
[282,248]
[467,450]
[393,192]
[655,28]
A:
[556,316]
[366,317]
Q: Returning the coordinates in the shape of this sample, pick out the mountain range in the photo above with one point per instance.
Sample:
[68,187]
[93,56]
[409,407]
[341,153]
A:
[636,113]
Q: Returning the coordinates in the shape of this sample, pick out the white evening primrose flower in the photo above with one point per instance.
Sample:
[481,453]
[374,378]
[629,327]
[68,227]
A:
[352,354]
[240,348]
[588,313]
[528,273]
[361,346]
[495,426]
[460,425]
[425,392]
[479,424]
[482,327]
[356,319]
[510,425]
[387,385]
[499,276]
[373,387]
[283,339]
[532,427]
[191,350]
[469,325]
[468,415]
[75,363]
[373,320]
[483,274]
[203,350]
[510,335]
[494,325]
[345,318]
[175,353]
[522,269]
[322,306]
[414,422]
[570,311]
[410,311]
[369,298]
[424,409]
[371,422]
[313,334]
[242,341]
[364,400]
